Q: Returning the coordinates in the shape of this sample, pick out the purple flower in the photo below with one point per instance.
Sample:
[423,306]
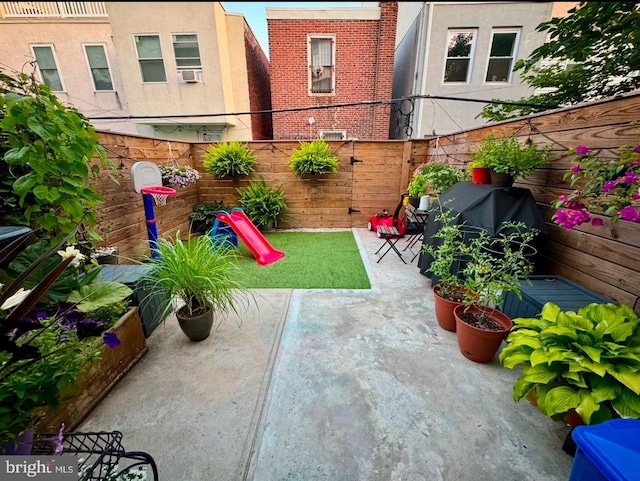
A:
[636,149]
[631,214]
[569,218]
[597,222]
[582,150]
[635,196]
[631,163]
[629,178]
[111,339]
[575,169]
[608,185]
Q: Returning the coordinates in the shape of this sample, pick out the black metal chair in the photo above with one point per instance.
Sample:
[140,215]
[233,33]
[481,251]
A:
[391,236]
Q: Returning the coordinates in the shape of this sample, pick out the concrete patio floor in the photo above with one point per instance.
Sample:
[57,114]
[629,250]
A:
[331,384]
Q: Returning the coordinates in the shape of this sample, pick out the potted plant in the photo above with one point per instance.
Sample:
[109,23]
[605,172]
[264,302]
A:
[440,176]
[199,274]
[229,159]
[416,189]
[178,176]
[508,159]
[313,158]
[480,173]
[265,205]
[447,254]
[585,362]
[496,265]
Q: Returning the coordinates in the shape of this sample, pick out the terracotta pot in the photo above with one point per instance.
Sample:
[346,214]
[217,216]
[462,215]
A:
[573,419]
[480,345]
[196,328]
[481,175]
[444,310]
[501,180]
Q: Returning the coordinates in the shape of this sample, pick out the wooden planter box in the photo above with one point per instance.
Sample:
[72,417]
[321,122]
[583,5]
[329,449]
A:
[98,380]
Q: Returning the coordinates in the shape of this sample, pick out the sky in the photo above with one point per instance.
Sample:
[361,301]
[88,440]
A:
[255,14]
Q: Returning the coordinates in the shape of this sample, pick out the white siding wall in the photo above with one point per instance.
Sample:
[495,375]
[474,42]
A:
[407,13]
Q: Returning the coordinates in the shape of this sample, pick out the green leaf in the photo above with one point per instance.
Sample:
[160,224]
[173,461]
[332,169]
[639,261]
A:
[540,374]
[521,388]
[539,356]
[99,294]
[587,407]
[24,184]
[559,400]
[593,352]
[513,360]
[627,376]
[557,331]
[16,155]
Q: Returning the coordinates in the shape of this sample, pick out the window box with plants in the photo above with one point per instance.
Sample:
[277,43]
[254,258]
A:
[57,331]
[508,159]
[312,159]
[229,160]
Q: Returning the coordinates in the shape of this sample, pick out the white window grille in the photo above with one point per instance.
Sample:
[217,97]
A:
[333,134]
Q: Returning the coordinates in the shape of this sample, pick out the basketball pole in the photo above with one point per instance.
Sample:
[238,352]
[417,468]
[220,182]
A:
[152,229]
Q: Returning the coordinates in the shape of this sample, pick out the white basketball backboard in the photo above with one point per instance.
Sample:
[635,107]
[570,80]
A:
[145,174]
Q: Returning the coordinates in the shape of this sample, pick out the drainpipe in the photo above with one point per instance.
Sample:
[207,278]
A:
[425,34]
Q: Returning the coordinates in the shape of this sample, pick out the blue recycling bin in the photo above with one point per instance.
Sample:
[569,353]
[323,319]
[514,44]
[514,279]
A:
[609,451]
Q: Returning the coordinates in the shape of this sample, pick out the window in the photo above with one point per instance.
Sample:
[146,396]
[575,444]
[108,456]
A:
[460,47]
[99,67]
[503,47]
[185,48]
[150,58]
[333,134]
[48,67]
[321,64]
[211,136]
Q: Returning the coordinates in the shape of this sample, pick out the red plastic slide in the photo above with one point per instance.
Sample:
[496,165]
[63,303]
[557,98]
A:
[259,246]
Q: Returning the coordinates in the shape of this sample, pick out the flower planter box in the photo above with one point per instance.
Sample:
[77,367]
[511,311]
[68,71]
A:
[98,380]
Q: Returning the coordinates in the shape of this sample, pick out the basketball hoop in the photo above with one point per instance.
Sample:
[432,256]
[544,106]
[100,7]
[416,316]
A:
[159,193]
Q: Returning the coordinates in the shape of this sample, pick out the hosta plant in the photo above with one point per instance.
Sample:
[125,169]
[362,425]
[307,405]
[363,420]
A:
[587,360]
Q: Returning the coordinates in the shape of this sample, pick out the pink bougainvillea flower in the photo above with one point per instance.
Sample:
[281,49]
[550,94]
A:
[597,222]
[608,185]
[636,149]
[562,197]
[582,150]
[576,169]
[635,196]
[631,214]
[569,218]
[631,163]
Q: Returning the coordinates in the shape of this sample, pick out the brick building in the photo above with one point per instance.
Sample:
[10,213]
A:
[324,57]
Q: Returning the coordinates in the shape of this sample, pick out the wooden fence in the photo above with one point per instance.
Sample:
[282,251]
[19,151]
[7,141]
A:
[374,174]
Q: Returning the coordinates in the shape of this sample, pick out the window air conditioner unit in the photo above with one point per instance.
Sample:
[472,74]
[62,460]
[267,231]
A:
[189,76]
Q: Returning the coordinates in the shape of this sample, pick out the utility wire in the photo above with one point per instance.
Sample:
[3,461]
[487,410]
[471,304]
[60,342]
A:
[322,107]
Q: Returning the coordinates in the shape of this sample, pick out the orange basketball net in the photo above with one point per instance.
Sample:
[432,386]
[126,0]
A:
[159,193]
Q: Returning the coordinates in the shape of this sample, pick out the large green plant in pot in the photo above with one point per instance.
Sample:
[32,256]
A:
[587,361]
[199,274]
[313,158]
[229,159]
[264,204]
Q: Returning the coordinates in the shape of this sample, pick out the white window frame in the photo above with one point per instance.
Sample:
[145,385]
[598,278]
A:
[86,57]
[450,33]
[311,37]
[135,48]
[323,133]
[55,59]
[514,54]
[197,69]
[203,134]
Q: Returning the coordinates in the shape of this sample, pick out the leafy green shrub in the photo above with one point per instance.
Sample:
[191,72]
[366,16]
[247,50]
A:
[264,205]
[507,156]
[441,176]
[588,361]
[229,159]
[417,186]
[204,215]
[313,158]
[48,151]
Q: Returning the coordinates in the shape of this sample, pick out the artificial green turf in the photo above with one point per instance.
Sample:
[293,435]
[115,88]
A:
[313,260]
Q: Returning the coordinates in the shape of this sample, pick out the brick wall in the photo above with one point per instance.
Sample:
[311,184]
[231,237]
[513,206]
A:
[259,87]
[363,71]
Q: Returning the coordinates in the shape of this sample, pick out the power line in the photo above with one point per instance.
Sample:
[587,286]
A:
[323,107]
